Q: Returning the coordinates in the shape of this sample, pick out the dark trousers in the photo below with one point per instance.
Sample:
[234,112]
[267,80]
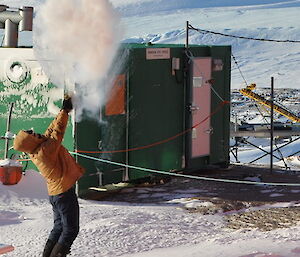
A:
[66,217]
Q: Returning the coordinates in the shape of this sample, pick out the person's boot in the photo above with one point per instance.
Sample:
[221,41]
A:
[48,248]
[60,250]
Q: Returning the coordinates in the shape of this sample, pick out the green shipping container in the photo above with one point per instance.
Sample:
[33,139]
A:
[168,111]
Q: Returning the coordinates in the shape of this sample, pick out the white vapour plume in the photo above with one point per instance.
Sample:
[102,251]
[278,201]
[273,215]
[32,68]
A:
[75,42]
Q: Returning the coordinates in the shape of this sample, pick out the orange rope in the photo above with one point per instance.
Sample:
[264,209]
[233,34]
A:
[162,141]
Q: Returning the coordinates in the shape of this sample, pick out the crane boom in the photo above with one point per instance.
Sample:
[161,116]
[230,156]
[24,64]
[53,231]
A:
[261,100]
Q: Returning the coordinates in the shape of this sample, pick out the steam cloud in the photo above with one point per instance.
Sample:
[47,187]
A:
[75,41]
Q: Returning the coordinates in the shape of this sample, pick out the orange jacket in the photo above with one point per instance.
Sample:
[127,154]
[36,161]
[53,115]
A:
[52,159]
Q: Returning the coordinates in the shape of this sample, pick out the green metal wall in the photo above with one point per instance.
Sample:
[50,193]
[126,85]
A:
[156,113]
[221,119]
[90,135]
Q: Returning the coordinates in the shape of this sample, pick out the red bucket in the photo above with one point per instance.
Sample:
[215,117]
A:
[10,175]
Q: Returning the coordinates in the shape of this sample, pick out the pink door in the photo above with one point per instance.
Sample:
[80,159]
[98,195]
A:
[201,76]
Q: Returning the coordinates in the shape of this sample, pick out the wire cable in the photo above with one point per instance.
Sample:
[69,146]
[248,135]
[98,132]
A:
[243,37]
[237,65]
[184,175]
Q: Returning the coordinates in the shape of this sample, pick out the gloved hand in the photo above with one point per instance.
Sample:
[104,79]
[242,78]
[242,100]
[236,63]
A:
[67,103]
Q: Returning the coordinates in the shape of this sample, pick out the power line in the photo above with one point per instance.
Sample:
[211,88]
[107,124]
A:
[185,175]
[243,37]
[237,65]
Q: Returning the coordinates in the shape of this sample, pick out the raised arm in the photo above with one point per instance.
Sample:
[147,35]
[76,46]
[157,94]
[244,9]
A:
[57,128]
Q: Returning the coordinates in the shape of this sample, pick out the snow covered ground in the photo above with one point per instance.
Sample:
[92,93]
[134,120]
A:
[111,229]
[136,230]
[123,229]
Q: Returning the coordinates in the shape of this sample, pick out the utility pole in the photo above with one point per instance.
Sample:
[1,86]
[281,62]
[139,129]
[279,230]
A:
[187,35]
[272,124]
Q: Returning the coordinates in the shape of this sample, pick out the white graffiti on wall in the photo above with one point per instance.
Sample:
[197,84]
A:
[23,82]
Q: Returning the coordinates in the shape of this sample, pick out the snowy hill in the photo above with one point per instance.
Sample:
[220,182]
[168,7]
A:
[149,7]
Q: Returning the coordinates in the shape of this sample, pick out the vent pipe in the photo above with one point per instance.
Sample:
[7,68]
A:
[13,21]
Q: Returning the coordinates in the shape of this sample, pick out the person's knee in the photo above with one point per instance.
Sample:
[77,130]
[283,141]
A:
[71,232]
[55,234]
[75,231]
